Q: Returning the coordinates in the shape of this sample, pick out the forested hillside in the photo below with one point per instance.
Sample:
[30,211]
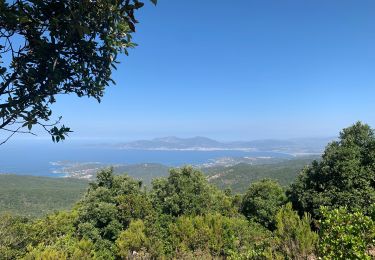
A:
[240,176]
[36,196]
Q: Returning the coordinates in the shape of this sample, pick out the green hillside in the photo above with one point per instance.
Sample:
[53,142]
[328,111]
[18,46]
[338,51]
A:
[145,172]
[240,176]
[37,196]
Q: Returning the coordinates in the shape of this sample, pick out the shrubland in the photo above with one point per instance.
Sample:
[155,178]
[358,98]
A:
[326,213]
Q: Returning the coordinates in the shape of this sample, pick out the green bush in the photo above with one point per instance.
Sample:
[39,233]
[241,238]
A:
[14,236]
[217,235]
[262,201]
[132,240]
[109,206]
[345,235]
[186,191]
[294,238]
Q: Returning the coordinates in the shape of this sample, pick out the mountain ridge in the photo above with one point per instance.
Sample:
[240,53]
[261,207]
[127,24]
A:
[294,146]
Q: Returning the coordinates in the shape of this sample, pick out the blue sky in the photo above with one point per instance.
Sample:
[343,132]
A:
[238,70]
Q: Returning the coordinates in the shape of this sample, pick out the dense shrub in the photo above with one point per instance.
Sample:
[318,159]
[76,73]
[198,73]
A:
[132,240]
[186,191]
[262,201]
[109,205]
[217,235]
[294,238]
[345,235]
[14,236]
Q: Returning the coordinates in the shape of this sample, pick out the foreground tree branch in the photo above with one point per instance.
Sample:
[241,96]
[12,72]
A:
[53,47]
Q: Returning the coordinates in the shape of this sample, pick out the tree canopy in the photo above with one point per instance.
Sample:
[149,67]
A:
[262,201]
[344,177]
[58,47]
[186,191]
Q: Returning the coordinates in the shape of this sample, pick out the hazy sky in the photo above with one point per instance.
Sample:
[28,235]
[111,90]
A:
[244,69]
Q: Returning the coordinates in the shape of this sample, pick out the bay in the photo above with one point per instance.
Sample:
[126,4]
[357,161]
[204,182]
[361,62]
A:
[39,158]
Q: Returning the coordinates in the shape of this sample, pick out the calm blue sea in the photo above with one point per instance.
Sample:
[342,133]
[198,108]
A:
[36,157]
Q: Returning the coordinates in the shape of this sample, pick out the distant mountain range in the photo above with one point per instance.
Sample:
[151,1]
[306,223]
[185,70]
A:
[171,143]
[292,146]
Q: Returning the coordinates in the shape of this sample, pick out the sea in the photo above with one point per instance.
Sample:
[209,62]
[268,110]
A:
[41,157]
